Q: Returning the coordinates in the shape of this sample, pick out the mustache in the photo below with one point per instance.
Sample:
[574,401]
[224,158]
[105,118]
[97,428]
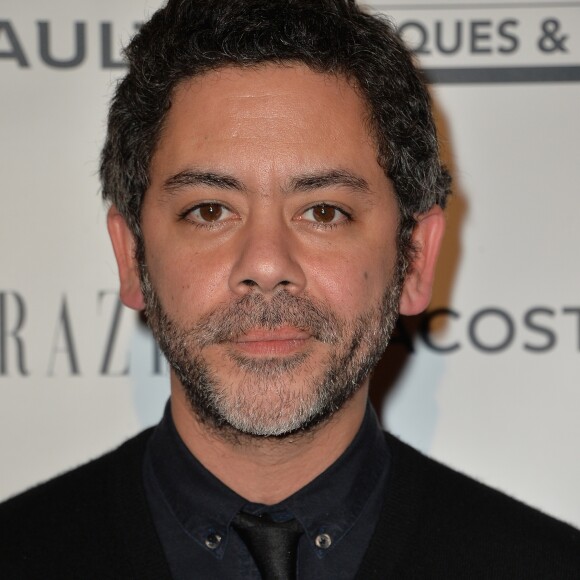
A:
[252,311]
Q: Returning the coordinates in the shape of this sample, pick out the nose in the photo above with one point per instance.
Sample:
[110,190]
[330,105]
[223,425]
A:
[267,259]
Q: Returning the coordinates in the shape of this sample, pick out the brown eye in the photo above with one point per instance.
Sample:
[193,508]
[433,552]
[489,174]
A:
[210,212]
[324,213]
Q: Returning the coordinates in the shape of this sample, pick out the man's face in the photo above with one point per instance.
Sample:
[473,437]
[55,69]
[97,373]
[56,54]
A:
[270,246]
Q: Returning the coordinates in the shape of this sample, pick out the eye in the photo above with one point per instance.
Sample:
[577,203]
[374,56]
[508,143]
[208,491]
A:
[208,213]
[325,214]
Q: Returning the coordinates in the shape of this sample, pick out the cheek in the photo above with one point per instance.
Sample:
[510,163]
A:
[189,282]
[351,281]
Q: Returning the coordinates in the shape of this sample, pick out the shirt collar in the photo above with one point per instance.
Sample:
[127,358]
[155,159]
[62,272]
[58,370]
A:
[330,504]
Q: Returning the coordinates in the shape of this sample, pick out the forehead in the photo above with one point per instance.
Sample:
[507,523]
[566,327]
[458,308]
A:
[267,118]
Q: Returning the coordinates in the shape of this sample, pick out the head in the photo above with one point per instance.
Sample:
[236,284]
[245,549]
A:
[349,68]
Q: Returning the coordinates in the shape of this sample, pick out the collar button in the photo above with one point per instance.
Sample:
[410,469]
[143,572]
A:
[212,541]
[323,541]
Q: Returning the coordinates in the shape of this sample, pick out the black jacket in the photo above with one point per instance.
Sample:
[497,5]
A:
[94,523]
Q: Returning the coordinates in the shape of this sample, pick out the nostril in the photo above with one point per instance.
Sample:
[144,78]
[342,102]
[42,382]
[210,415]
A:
[249,283]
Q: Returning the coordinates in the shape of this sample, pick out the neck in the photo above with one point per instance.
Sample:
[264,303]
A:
[268,470]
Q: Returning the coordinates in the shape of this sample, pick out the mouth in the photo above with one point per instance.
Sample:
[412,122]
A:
[282,341]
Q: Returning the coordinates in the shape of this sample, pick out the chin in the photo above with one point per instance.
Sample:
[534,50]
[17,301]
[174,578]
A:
[268,406]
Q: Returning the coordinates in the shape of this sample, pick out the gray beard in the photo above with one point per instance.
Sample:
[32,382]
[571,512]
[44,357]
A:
[262,405]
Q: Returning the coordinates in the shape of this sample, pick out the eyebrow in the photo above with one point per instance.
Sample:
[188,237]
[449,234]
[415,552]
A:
[299,184]
[190,177]
[332,178]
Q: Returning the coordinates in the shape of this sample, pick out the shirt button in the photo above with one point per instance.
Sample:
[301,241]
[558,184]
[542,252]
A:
[323,541]
[213,541]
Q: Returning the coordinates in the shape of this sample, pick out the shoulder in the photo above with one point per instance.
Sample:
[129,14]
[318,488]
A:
[455,496]
[72,520]
[80,488]
[445,522]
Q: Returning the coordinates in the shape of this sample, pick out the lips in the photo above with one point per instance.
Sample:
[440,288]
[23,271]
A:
[277,342]
[264,335]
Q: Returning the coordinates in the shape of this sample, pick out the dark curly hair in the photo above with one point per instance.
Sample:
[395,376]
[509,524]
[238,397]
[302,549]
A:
[187,38]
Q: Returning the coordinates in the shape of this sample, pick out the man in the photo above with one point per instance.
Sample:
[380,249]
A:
[276,201]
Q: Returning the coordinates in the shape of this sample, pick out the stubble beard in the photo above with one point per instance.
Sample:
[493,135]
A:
[265,402]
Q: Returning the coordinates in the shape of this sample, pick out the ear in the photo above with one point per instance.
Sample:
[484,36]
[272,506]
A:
[426,238]
[124,247]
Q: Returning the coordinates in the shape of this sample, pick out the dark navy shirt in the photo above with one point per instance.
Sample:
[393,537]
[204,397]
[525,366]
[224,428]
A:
[193,510]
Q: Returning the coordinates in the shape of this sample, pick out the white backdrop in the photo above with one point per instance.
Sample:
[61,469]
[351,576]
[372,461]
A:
[493,384]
